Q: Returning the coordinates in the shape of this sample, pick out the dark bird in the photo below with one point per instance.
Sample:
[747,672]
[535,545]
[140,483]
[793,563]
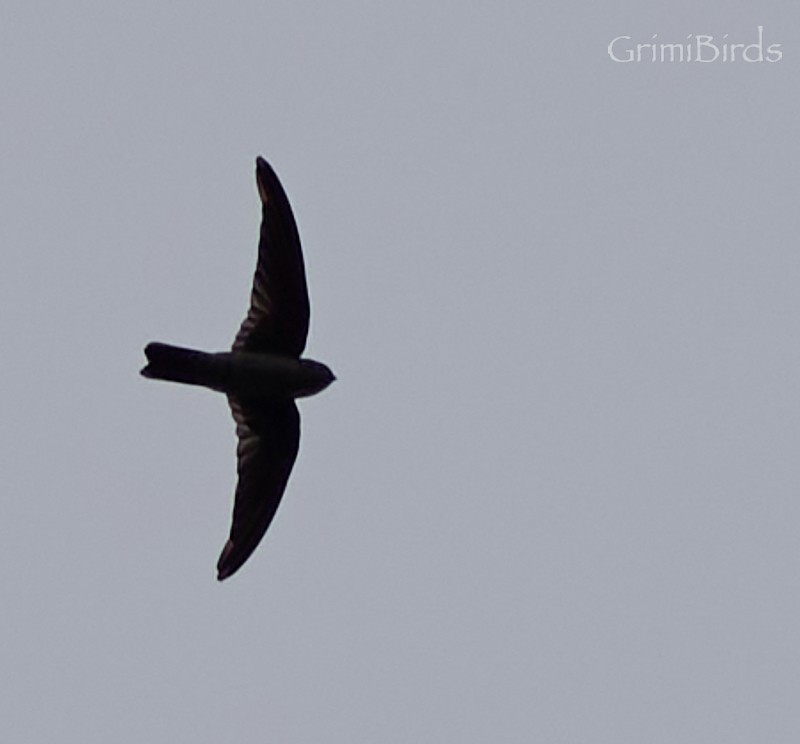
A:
[261,375]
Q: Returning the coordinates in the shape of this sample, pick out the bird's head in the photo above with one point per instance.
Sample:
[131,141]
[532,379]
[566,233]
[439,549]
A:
[316,377]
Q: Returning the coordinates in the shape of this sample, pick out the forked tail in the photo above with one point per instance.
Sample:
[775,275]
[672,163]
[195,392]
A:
[189,366]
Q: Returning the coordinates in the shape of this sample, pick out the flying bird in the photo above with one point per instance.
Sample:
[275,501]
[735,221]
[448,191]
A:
[262,374]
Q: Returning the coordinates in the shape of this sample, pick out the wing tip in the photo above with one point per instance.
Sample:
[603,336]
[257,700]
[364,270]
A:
[263,172]
[225,569]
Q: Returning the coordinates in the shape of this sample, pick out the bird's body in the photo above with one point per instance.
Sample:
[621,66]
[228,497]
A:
[246,375]
[261,375]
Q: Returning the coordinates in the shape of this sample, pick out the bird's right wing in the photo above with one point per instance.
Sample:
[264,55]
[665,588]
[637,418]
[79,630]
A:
[269,437]
[277,320]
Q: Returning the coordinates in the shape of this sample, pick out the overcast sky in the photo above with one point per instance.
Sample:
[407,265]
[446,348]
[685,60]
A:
[553,494]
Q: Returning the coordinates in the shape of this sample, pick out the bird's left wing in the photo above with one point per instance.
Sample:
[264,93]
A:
[269,437]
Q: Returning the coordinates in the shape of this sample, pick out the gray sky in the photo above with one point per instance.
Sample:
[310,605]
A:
[552,496]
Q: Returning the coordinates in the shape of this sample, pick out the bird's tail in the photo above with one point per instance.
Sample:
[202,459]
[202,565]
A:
[192,367]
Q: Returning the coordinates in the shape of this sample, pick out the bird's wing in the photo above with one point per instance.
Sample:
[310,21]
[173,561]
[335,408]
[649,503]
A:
[277,321]
[269,437]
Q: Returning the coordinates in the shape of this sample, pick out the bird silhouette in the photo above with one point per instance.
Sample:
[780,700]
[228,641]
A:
[262,374]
